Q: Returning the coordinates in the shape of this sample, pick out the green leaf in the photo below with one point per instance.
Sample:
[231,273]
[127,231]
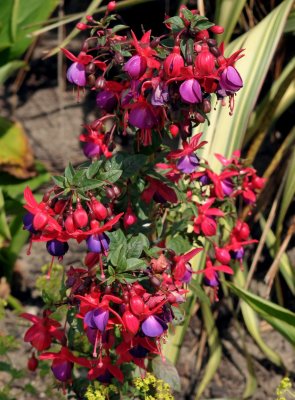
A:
[280,318]
[167,372]
[136,244]
[110,176]
[134,264]
[132,164]
[179,244]
[70,173]
[9,68]
[4,228]
[119,27]
[260,44]
[118,254]
[93,169]
[116,238]
[176,22]
[227,15]
[197,289]
[59,181]
[90,184]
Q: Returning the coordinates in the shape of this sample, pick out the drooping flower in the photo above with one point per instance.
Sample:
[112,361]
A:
[135,66]
[153,326]
[190,91]
[230,80]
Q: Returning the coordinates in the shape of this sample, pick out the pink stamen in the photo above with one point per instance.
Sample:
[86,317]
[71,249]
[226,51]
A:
[50,268]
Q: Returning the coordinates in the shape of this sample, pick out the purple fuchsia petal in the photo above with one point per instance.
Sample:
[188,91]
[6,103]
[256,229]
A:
[141,116]
[135,66]
[188,164]
[91,149]
[76,74]
[28,222]
[238,254]
[89,321]
[230,80]
[227,187]
[190,91]
[62,370]
[106,100]
[153,326]
[160,96]
[56,248]
[187,277]
[104,240]
[100,318]
[213,280]
[94,244]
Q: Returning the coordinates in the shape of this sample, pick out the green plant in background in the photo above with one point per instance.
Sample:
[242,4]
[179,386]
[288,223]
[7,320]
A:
[250,124]
[17,165]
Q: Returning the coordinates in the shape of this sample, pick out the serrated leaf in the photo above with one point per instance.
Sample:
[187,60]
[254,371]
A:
[69,173]
[167,372]
[132,164]
[93,169]
[179,244]
[90,184]
[176,22]
[136,245]
[59,181]
[111,176]
[118,254]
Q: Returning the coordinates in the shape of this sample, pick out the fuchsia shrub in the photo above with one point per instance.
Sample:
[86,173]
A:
[145,213]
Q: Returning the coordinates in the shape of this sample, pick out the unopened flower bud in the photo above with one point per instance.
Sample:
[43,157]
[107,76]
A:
[206,106]
[90,68]
[173,63]
[174,130]
[70,224]
[91,80]
[199,117]
[217,29]
[129,218]
[135,66]
[80,217]
[119,59]
[222,255]
[111,6]
[81,26]
[99,209]
[100,82]
[211,42]
[137,305]
[32,363]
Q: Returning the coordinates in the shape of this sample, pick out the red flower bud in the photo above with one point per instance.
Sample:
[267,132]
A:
[222,255]
[242,230]
[80,217]
[217,29]
[59,205]
[81,26]
[70,224]
[258,183]
[137,305]
[131,322]
[99,210]
[202,35]
[40,220]
[174,130]
[129,218]
[205,61]
[32,363]
[89,18]
[111,6]
[173,63]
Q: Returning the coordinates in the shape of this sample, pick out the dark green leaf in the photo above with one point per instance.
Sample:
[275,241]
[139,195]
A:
[133,164]
[179,244]
[111,176]
[118,254]
[69,173]
[135,264]
[59,181]
[136,245]
[118,28]
[176,22]
[93,169]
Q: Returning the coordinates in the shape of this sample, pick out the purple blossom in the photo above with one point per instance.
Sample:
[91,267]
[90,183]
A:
[97,319]
[135,66]
[98,243]
[190,91]
[62,370]
[28,222]
[188,164]
[238,254]
[57,248]
[153,326]
[227,186]
[187,277]
[160,96]
[106,100]
[76,74]
[230,80]
[142,116]
[213,281]
[91,150]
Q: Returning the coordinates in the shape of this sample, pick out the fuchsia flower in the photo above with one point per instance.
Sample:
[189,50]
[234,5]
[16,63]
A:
[135,66]
[205,222]
[144,50]
[76,73]
[187,160]
[43,331]
[62,363]
[210,273]
[173,63]
[180,268]
[190,91]
[230,80]
[159,192]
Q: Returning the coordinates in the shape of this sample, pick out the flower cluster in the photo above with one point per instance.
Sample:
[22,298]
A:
[145,215]
[152,86]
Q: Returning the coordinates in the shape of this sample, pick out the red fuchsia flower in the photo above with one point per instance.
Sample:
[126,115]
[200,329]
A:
[41,211]
[211,273]
[173,63]
[158,191]
[94,145]
[76,73]
[62,363]
[205,61]
[43,331]
[153,326]
[32,363]
[205,222]
[173,173]
[187,162]
[144,50]
[104,370]
[181,268]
